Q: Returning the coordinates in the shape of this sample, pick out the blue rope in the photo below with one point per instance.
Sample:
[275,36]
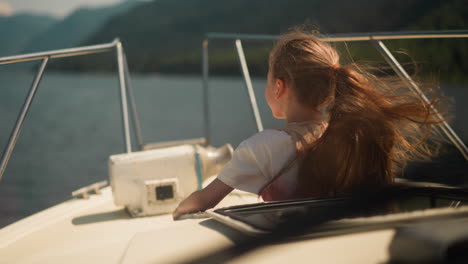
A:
[198,168]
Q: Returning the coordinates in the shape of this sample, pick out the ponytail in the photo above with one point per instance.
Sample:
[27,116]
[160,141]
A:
[368,137]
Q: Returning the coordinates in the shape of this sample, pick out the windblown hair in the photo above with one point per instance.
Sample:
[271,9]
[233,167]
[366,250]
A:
[375,124]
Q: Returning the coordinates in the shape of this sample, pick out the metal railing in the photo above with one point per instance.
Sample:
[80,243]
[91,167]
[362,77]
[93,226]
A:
[375,38]
[126,92]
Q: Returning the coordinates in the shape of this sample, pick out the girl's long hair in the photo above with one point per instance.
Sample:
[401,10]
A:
[375,125]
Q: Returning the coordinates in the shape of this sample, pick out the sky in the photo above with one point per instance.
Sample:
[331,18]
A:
[57,8]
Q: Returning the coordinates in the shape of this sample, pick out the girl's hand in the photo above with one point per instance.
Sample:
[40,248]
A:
[193,203]
[204,199]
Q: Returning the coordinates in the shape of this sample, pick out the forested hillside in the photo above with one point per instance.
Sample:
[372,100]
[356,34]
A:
[18,30]
[166,35]
[75,28]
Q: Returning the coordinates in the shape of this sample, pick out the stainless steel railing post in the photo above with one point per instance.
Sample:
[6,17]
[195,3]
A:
[248,85]
[206,93]
[59,53]
[444,126]
[353,36]
[131,97]
[123,98]
[21,117]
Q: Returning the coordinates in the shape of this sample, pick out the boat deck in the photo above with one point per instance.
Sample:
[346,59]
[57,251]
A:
[95,230]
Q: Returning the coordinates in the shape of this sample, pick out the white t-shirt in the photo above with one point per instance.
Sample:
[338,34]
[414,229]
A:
[258,159]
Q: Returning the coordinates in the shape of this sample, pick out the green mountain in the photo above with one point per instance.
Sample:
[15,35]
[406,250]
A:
[166,35]
[76,27]
[450,57]
[18,30]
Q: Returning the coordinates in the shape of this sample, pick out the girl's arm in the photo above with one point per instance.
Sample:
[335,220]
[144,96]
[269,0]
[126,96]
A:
[203,199]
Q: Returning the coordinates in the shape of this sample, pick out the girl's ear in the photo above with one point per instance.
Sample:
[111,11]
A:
[280,88]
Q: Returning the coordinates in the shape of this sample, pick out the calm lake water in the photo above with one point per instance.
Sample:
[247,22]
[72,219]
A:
[75,124]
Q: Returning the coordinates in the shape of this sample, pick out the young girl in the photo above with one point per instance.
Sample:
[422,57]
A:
[346,130]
